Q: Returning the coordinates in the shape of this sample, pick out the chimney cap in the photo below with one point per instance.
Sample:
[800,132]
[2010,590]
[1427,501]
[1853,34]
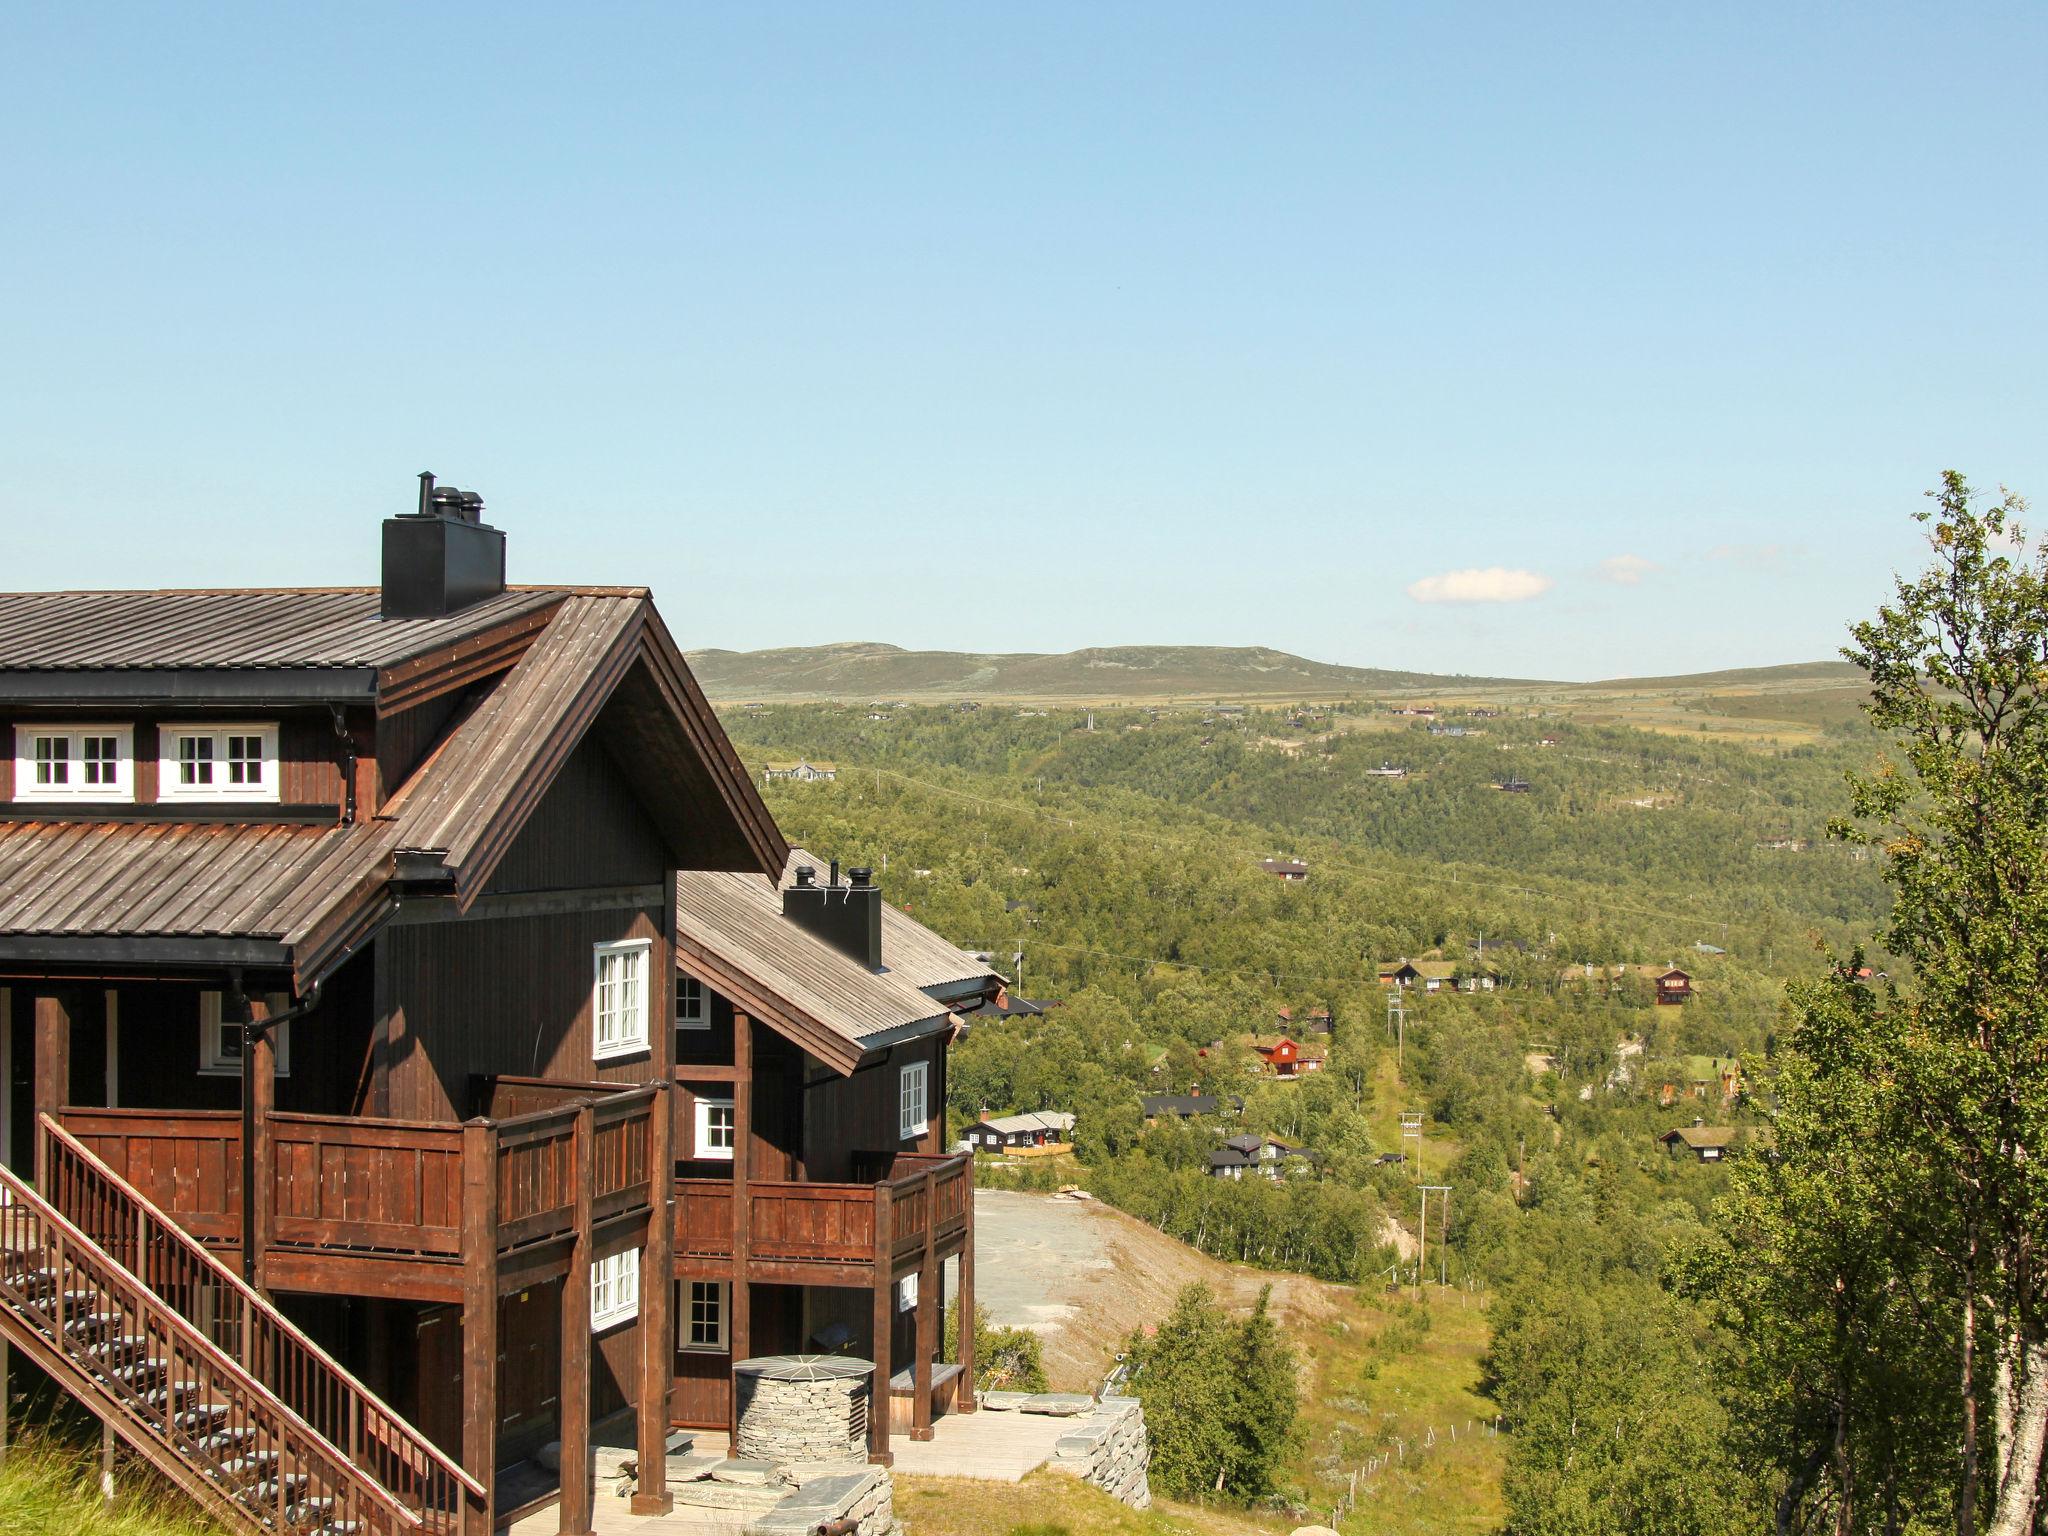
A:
[805,874]
[861,875]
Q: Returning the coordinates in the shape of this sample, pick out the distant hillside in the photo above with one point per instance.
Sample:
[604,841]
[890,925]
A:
[862,671]
[1840,673]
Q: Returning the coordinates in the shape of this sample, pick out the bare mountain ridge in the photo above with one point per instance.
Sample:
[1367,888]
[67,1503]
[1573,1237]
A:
[859,671]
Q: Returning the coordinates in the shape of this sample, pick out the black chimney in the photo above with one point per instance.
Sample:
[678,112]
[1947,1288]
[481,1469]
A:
[442,557]
[848,917]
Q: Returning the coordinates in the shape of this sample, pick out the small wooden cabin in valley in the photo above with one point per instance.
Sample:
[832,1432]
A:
[429,1047]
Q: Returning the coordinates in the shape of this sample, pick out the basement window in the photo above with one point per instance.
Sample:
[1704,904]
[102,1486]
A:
[220,1039]
[717,1130]
[693,1004]
[702,1305]
[217,762]
[911,1117]
[74,762]
[618,1012]
[614,1289]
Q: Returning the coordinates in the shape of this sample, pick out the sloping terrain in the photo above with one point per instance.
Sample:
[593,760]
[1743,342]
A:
[863,671]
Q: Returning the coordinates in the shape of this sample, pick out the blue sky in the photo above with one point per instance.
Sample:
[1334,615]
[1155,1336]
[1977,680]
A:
[1030,327]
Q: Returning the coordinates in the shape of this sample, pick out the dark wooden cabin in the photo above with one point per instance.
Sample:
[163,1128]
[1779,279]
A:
[344,927]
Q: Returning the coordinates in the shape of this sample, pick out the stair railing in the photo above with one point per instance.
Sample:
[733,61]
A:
[224,1435]
[239,1320]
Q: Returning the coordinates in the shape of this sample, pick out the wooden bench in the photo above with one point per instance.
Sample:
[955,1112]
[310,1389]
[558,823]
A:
[903,1395]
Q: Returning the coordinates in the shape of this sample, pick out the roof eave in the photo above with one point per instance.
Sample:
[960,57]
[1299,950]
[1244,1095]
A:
[246,687]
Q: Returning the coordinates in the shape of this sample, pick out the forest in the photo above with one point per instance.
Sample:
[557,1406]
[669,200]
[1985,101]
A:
[1838,1325]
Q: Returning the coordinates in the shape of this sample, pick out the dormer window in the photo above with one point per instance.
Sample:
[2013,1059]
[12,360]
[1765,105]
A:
[74,762]
[218,762]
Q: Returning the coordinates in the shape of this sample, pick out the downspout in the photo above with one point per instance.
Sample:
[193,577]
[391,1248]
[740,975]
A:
[348,766]
[252,1031]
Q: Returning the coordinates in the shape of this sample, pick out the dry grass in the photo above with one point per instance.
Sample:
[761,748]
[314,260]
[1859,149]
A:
[1054,1504]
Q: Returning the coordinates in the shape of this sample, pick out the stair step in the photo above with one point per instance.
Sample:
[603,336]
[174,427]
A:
[117,1346]
[171,1396]
[92,1320]
[225,1439]
[203,1418]
[266,1492]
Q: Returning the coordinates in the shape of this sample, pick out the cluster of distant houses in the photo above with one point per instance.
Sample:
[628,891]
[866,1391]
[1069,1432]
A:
[1669,983]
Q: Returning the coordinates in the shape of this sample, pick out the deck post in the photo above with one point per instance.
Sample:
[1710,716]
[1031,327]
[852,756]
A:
[575,1384]
[964,1400]
[259,1088]
[657,1290]
[885,1320]
[480,1312]
[53,1070]
[931,1301]
[739,1336]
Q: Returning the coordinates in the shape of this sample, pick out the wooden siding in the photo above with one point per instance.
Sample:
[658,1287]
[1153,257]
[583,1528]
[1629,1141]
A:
[504,995]
[587,831]
[845,1116]
[308,752]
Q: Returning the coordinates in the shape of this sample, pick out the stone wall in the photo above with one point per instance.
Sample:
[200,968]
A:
[865,1494]
[1110,1449]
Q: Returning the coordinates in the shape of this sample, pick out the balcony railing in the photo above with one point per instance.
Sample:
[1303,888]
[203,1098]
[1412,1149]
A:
[381,1188]
[827,1224]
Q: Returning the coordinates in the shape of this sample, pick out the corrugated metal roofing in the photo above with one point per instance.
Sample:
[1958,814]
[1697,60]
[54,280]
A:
[271,880]
[911,951]
[154,878]
[158,631]
[739,919]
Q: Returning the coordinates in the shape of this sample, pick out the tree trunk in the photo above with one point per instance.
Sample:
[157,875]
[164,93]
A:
[1966,1492]
[2019,1480]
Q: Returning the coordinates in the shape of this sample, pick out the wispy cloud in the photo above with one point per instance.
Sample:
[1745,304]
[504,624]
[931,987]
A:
[1626,570]
[1751,557]
[1494,584]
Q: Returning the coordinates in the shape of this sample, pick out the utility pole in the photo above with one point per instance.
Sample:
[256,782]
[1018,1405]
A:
[1411,1130]
[1443,1254]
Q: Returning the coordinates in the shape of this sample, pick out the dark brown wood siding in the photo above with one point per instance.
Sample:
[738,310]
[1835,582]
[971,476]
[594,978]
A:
[844,1116]
[309,753]
[588,831]
[504,995]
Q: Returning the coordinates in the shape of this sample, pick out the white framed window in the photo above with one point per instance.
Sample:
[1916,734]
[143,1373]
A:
[618,1003]
[220,1039]
[701,1313]
[74,762]
[614,1289]
[217,762]
[693,1004]
[717,1130]
[906,1294]
[911,1119]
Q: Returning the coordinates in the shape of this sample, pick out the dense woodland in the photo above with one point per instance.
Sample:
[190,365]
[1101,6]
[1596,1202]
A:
[1838,1328]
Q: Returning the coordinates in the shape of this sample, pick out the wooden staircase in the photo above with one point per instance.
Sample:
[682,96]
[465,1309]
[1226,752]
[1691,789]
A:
[199,1373]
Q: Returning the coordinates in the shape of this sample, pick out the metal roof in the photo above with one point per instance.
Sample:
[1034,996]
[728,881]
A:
[314,890]
[792,978]
[1031,1120]
[156,878]
[304,628]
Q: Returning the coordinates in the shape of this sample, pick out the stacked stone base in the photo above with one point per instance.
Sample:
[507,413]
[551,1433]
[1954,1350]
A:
[1110,1449]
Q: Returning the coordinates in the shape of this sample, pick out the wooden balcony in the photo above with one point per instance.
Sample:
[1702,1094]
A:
[827,1234]
[376,1207]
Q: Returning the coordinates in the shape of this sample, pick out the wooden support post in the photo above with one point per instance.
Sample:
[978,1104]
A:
[53,1068]
[885,1320]
[657,1324]
[107,1462]
[480,1312]
[259,1193]
[576,1508]
[739,1335]
[930,1303]
[964,1398]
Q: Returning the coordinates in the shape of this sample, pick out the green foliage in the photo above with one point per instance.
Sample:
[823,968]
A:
[1221,1397]
[1005,1359]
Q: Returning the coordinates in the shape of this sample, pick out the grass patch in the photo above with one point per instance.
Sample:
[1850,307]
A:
[1393,1377]
[53,1488]
[1054,1504]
